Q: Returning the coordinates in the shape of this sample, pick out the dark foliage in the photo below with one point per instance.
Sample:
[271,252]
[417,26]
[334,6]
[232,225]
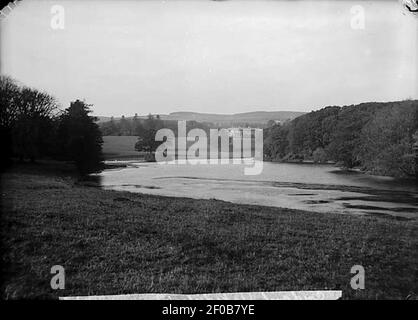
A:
[136,126]
[33,127]
[27,121]
[80,139]
[377,137]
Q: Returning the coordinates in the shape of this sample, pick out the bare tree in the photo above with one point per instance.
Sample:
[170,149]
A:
[26,118]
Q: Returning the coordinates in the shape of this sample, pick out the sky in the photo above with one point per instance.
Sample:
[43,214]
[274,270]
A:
[128,57]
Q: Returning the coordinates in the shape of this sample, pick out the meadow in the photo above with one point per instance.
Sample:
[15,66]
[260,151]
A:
[120,148]
[113,242]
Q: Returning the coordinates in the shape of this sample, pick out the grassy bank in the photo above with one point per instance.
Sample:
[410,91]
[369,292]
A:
[115,242]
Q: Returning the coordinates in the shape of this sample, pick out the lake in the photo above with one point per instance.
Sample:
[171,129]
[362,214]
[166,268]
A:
[317,188]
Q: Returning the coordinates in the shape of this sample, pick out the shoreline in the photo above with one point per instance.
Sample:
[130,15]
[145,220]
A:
[389,199]
[123,162]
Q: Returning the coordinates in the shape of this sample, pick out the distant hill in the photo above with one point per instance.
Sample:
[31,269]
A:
[257,117]
[252,117]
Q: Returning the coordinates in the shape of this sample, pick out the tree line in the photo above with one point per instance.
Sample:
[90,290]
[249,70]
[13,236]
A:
[137,126]
[380,138]
[133,126]
[34,127]
[149,127]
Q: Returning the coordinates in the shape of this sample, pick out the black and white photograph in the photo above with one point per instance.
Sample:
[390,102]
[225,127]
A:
[209,150]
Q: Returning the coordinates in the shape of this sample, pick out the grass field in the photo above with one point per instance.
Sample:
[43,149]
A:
[123,148]
[114,242]
[120,148]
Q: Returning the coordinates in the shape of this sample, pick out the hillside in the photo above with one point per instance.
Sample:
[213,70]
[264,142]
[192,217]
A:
[251,118]
[376,137]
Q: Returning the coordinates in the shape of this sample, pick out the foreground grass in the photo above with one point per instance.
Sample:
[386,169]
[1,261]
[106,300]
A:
[117,243]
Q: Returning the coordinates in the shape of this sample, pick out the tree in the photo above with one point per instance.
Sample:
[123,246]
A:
[27,120]
[9,93]
[377,137]
[319,155]
[33,127]
[346,137]
[271,123]
[125,127]
[146,135]
[387,145]
[275,142]
[80,139]
[415,152]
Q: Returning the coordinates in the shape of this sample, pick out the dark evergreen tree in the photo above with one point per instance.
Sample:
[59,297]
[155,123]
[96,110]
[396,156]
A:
[80,139]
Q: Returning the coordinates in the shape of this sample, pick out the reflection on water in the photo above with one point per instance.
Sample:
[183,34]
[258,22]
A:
[319,188]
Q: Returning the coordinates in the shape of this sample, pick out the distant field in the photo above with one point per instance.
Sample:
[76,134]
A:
[123,148]
[120,147]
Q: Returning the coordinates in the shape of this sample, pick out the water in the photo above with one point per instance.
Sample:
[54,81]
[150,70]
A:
[317,188]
